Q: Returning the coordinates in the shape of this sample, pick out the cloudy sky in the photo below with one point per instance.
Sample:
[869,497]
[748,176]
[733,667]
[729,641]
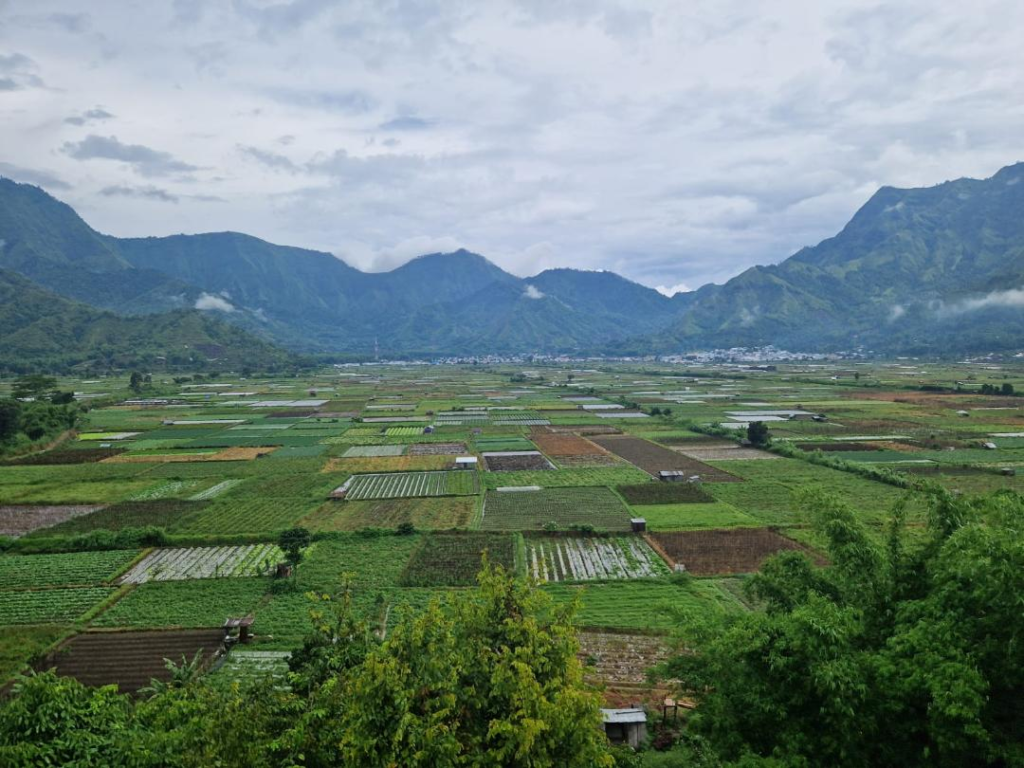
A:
[674,143]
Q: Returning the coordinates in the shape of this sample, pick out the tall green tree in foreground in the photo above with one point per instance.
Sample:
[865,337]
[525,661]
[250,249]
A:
[486,678]
[890,656]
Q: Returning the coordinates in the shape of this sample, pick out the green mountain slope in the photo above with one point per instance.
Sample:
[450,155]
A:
[39,328]
[312,301]
[916,270]
[931,269]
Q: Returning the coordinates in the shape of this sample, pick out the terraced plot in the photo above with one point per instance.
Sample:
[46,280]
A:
[204,563]
[364,451]
[49,606]
[130,660]
[653,458]
[736,550]
[559,508]
[454,559]
[410,484]
[66,569]
[575,558]
[16,521]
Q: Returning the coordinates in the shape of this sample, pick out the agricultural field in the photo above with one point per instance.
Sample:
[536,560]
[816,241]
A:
[557,508]
[577,558]
[717,552]
[400,485]
[164,516]
[453,559]
[178,564]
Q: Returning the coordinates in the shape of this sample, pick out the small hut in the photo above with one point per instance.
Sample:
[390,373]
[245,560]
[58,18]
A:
[625,726]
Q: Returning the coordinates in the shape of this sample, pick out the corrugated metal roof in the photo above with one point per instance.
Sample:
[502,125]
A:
[624,715]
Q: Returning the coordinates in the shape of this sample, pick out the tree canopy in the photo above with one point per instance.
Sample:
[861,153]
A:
[894,655]
[485,678]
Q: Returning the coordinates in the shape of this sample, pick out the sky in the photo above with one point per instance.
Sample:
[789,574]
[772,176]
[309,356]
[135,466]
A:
[674,143]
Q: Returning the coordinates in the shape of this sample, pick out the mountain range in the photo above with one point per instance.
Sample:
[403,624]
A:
[932,270]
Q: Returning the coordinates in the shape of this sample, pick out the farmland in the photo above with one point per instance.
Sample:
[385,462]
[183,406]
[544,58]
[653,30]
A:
[717,552]
[410,484]
[204,563]
[560,508]
[175,525]
[571,558]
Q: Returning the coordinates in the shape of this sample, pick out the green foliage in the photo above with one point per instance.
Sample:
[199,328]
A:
[489,678]
[758,433]
[292,542]
[888,657]
[482,681]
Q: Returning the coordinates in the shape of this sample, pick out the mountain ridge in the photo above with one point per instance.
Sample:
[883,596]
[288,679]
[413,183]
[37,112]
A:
[908,264]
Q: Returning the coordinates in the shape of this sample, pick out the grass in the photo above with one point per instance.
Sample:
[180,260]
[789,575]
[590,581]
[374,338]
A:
[20,645]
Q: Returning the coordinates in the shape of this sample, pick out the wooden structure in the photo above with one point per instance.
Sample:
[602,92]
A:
[638,524]
[242,625]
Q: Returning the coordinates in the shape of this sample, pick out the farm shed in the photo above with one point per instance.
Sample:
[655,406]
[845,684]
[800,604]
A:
[625,726]
[466,462]
[672,476]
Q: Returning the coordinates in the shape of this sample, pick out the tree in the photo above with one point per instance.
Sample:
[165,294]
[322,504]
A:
[490,679]
[10,419]
[292,542]
[135,382]
[758,434]
[890,656]
[1006,389]
[33,385]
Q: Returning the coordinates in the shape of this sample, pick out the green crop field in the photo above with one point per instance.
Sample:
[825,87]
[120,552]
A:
[49,606]
[560,508]
[72,569]
[399,485]
[395,524]
[453,560]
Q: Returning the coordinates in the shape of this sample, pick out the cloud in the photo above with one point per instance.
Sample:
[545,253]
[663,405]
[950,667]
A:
[673,148]
[143,160]
[17,71]
[74,23]
[673,290]
[33,176]
[345,101]
[272,160]
[406,123]
[1012,298]
[143,193]
[209,301]
[532,292]
[88,116]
